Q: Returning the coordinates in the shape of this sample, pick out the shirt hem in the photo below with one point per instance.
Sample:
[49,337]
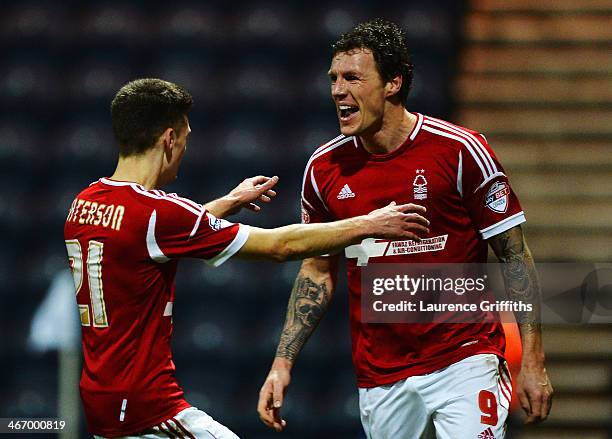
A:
[409,371]
[141,426]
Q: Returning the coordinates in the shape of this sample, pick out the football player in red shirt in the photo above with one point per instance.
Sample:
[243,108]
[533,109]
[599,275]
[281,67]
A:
[124,237]
[414,380]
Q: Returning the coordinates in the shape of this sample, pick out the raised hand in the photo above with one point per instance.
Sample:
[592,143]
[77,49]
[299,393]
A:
[253,189]
[244,195]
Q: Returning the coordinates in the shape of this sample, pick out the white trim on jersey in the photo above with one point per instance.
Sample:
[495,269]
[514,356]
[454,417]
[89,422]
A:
[316,187]
[168,309]
[305,201]
[479,147]
[325,145]
[417,127]
[488,179]
[115,182]
[197,223]
[174,200]
[324,150]
[329,146]
[460,175]
[174,195]
[503,225]
[485,174]
[185,203]
[123,407]
[155,252]
[229,251]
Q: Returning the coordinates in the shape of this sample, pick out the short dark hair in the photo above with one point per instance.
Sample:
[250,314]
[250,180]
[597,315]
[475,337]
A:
[388,44]
[143,109]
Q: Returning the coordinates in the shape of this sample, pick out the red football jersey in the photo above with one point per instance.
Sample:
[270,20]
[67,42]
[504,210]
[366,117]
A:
[453,173]
[123,243]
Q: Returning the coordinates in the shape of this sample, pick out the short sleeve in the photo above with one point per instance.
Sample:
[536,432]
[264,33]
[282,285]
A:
[489,199]
[313,207]
[176,231]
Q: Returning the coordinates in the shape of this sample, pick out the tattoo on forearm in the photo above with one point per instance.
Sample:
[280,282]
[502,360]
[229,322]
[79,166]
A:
[520,276]
[307,305]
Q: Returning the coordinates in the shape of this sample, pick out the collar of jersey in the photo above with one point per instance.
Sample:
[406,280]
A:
[387,156]
[397,151]
[112,182]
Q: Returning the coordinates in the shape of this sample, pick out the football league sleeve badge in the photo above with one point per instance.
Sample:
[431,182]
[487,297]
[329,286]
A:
[498,197]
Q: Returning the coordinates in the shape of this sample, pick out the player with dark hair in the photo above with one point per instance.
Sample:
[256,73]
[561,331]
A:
[143,109]
[124,238]
[445,380]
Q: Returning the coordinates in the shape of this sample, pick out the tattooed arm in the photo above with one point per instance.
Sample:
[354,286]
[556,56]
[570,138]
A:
[521,280]
[310,297]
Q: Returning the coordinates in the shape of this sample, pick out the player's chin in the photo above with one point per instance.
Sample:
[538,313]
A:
[349,129]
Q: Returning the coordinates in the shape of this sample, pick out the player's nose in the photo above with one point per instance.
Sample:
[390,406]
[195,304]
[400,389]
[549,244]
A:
[338,89]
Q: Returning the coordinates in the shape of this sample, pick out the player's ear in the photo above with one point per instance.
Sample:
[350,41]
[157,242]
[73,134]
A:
[393,86]
[168,138]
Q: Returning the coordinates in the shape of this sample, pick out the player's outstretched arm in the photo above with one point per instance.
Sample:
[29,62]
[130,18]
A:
[244,195]
[300,241]
[521,280]
[312,292]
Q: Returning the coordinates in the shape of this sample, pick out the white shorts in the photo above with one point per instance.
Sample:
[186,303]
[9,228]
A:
[466,400]
[189,423]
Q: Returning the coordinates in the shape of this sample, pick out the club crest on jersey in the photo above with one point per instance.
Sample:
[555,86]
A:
[497,198]
[419,185]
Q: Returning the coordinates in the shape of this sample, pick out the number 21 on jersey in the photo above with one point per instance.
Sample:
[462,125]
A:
[93,268]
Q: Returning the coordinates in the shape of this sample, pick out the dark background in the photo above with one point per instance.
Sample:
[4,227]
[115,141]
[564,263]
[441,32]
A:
[257,71]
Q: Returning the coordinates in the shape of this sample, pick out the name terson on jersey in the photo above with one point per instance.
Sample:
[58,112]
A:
[96,214]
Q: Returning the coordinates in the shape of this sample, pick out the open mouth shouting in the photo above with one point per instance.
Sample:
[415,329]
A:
[346,113]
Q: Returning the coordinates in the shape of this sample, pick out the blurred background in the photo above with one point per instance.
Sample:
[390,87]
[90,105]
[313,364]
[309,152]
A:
[534,75]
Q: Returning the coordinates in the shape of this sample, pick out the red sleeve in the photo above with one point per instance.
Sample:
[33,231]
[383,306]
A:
[490,201]
[314,209]
[177,230]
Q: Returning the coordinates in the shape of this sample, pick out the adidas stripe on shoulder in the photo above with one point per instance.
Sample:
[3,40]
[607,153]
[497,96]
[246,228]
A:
[473,145]
[156,194]
[322,150]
